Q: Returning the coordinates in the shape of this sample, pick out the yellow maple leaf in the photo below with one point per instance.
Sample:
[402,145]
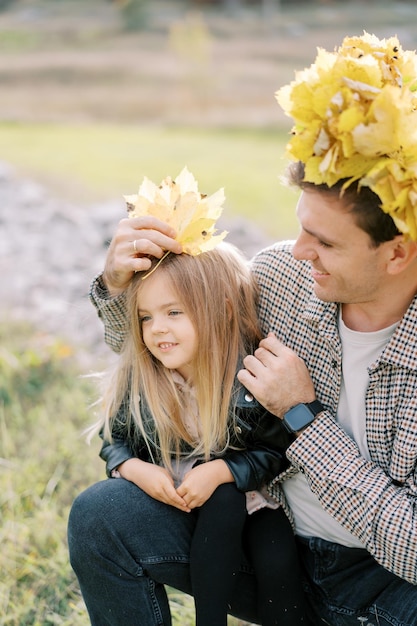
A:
[179,203]
[355,119]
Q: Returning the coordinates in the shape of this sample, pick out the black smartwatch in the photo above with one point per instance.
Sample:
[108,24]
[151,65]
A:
[301,416]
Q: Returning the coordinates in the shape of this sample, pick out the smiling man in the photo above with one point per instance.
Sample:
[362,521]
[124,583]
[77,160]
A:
[339,308]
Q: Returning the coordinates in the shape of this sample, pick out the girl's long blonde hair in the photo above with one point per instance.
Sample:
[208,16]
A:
[219,295]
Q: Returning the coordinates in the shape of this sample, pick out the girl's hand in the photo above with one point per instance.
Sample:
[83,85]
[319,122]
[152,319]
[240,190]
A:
[200,482]
[156,481]
[135,240]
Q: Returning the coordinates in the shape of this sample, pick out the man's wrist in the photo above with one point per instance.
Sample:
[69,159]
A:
[301,415]
[112,289]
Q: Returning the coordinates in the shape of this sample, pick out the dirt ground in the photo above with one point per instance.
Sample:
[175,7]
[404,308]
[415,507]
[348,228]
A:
[73,61]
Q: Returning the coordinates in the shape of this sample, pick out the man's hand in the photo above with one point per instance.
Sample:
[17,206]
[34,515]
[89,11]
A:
[135,240]
[276,376]
[201,481]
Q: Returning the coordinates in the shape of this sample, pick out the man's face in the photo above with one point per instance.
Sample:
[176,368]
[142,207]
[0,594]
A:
[345,265]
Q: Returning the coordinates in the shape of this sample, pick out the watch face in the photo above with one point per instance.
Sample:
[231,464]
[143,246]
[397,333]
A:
[298,417]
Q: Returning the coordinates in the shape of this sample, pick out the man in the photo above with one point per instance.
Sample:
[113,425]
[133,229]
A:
[338,365]
[350,315]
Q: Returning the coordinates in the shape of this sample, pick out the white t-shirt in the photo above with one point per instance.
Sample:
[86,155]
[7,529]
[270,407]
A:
[359,351]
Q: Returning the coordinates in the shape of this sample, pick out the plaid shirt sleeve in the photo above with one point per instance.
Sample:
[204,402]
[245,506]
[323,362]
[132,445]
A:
[111,311]
[376,500]
[360,495]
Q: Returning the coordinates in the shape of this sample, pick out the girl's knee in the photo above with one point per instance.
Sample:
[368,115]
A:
[227,495]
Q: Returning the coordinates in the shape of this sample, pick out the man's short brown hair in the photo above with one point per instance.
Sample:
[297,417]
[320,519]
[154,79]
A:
[361,201]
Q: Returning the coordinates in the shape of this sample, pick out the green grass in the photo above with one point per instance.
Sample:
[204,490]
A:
[44,463]
[100,162]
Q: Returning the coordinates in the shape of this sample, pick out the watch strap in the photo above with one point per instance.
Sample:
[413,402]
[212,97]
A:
[315,407]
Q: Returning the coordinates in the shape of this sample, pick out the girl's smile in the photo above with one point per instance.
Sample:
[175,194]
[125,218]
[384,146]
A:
[166,346]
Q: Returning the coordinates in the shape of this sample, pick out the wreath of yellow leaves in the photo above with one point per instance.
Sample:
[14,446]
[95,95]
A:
[179,203]
[355,118]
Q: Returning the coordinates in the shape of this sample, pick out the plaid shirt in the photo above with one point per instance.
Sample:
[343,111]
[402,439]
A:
[375,500]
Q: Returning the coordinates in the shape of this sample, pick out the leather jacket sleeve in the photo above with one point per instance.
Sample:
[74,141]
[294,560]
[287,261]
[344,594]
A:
[115,453]
[125,444]
[261,441]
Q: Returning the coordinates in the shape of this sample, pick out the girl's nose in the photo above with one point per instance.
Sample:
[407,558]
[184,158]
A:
[159,326]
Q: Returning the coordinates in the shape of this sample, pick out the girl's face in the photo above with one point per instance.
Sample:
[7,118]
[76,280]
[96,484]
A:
[167,330]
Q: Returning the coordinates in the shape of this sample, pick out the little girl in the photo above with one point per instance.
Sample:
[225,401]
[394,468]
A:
[178,425]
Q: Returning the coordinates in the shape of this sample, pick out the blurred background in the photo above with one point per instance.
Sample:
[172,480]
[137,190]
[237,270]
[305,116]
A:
[95,95]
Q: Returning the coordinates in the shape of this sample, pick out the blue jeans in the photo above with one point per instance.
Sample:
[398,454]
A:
[347,587]
[125,547]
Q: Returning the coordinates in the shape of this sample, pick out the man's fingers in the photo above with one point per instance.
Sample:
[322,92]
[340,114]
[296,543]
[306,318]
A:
[246,378]
[148,235]
[150,243]
[149,222]
[272,344]
[253,364]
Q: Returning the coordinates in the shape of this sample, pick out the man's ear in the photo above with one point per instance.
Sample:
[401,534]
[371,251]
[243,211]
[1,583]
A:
[402,253]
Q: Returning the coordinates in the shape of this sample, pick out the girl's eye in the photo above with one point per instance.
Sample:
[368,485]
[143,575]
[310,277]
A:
[144,318]
[174,313]
[323,244]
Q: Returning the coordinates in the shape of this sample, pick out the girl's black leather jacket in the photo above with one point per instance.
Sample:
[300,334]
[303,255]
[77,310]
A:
[260,437]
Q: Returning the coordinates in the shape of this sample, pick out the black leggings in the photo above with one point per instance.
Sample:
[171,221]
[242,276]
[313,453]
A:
[216,554]
[272,552]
